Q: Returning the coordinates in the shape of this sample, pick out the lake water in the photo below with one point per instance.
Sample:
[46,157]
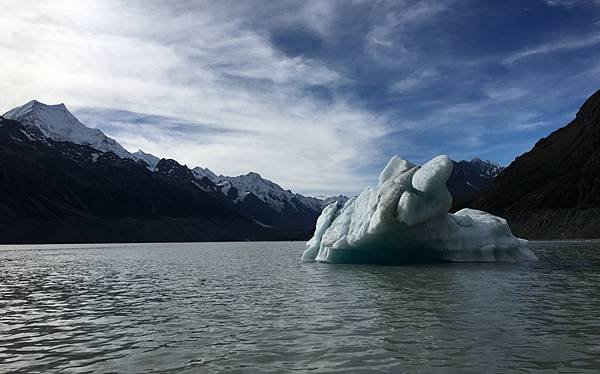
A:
[254,307]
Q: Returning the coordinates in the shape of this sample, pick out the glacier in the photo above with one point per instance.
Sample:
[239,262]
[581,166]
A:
[405,219]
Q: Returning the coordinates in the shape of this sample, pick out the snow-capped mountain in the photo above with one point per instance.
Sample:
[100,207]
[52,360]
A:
[57,123]
[148,158]
[487,167]
[271,193]
[470,178]
[266,190]
[107,187]
[63,192]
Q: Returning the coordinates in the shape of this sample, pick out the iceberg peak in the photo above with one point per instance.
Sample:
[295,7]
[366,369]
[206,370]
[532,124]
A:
[395,165]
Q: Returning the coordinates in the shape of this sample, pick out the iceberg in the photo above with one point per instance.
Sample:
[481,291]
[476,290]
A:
[405,219]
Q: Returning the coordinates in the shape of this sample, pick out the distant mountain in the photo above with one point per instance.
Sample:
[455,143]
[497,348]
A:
[553,191]
[470,178]
[263,197]
[271,193]
[267,191]
[341,199]
[58,192]
[57,173]
[65,192]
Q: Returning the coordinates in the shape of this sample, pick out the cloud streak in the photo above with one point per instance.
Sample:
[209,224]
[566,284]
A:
[554,47]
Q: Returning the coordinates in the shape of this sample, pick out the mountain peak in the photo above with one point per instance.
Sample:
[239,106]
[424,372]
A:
[590,110]
[56,122]
[205,172]
[35,104]
[30,106]
[254,175]
[477,160]
[148,158]
[272,193]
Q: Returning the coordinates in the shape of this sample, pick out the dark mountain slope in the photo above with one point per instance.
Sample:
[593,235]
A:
[553,191]
[64,192]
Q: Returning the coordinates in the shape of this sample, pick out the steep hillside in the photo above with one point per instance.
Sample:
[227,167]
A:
[553,191]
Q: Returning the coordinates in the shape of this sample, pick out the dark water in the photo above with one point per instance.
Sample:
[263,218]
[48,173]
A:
[254,307]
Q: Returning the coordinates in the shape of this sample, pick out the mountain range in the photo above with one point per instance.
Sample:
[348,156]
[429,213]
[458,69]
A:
[553,191]
[61,181]
[470,178]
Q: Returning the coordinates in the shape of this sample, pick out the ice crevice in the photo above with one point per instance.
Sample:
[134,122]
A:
[405,219]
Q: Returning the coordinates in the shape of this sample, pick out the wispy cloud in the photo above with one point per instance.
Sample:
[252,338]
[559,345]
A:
[553,47]
[571,3]
[415,80]
[390,35]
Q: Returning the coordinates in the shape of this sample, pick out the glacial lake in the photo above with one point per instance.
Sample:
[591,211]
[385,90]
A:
[254,307]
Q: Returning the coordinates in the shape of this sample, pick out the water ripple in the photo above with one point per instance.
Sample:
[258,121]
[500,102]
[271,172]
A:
[247,307]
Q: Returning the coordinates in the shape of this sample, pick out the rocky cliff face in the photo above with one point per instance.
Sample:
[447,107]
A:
[553,191]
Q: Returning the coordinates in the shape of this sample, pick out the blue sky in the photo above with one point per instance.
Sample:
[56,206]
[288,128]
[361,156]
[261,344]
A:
[315,95]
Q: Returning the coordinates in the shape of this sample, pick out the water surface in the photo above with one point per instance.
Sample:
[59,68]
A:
[248,307]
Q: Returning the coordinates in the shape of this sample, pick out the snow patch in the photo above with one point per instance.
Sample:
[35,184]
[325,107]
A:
[262,224]
[28,135]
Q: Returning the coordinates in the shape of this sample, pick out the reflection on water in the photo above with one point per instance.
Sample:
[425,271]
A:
[246,307]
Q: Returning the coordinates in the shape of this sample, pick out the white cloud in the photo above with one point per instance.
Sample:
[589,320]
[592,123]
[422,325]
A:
[199,67]
[554,46]
[390,35]
[503,93]
[414,81]
[571,3]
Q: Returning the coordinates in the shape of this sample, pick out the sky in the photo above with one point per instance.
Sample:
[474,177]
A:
[314,95]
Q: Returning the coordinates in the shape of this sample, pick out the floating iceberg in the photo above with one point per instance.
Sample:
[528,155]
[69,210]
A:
[405,219]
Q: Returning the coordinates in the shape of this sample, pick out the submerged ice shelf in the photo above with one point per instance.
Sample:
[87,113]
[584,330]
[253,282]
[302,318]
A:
[405,219]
